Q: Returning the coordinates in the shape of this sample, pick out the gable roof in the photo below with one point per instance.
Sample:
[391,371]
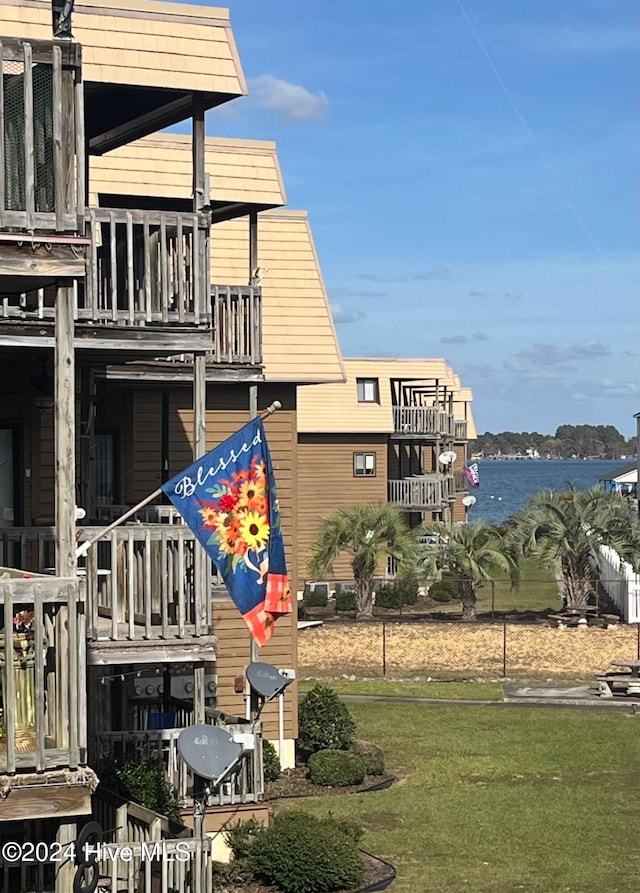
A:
[334,408]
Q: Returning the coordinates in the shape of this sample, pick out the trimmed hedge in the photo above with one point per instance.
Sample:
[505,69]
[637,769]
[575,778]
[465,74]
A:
[303,854]
[446,589]
[346,601]
[371,755]
[317,599]
[403,591]
[336,768]
[270,762]
[324,720]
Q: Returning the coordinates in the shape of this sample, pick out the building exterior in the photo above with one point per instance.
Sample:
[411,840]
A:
[147,286]
[379,437]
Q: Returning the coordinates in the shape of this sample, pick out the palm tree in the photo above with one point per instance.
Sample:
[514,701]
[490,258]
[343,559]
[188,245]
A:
[471,553]
[563,531]
[371,533]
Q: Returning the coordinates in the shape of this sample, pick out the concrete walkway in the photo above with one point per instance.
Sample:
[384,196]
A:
[519,695]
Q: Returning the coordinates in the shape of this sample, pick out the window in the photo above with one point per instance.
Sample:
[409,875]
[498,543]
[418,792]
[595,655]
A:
[368,390]
[106,465]
[364,464]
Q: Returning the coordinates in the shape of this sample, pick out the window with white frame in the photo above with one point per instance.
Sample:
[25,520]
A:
[368,390]
[364,465]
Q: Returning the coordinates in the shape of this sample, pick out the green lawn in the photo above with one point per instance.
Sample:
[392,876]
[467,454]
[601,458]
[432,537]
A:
[501,800]
[537,591]
[460,691]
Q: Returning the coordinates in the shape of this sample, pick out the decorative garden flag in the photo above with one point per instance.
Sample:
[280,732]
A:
[228,499]
[472,473]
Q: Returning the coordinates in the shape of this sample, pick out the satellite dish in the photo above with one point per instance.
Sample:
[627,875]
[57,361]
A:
[266,680]
[447,457]
[468,500]
[209,751]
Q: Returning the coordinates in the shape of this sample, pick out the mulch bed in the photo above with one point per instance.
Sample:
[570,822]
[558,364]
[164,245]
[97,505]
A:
[294,783]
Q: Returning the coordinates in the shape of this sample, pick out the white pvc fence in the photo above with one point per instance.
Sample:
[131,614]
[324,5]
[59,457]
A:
[620,582]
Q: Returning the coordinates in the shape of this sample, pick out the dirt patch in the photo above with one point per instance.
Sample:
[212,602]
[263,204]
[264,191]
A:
[457,650]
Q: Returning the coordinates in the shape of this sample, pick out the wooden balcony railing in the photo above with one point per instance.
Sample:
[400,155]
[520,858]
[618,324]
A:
[460,430]
[146,267]
[43,674]
[42,174]
[460,481]
[426,492]
[140,581]
[422,421]
[244,785]
[237,324]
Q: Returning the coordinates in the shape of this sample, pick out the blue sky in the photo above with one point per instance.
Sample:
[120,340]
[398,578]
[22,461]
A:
[470,171]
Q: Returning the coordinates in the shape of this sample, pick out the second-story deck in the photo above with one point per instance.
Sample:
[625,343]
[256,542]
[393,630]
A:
[427,422]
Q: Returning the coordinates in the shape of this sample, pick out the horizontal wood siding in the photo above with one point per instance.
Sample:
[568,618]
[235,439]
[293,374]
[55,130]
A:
[233,655]
[163,45]
[145,457]
[326,482]
[299,339]
[161,165]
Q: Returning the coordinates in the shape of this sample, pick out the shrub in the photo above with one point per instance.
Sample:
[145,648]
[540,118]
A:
[324,720]
[140,779]
[336,768]
[316,599]
[270,762]
[446,589]
[303,854]
[241,837]
[371,755]
[403,591]
[346,601]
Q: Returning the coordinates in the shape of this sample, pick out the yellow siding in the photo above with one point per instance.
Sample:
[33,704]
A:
[161,165]
[327,483]
[165,45]
[299,339]
[335,407]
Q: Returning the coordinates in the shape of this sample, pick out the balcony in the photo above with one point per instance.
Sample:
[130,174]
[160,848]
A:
[422,422]
[43,674]
[244,785]
[426,492]
[140,582]
[146,271]
[42,176]
[460,430]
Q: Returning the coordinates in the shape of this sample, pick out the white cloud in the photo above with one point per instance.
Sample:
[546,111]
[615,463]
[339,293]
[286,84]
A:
[293,102]
[342,315]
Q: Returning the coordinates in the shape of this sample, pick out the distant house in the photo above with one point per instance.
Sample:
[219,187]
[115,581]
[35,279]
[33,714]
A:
[623,479]
[381,436]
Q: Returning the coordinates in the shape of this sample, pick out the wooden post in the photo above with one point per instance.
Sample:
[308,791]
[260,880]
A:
[65,510]
[202,587]
[253,247]
[87,443]
[66,835]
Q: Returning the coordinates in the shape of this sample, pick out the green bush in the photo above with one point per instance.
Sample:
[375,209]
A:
[303,854]
[371,755]
[346,601]
[317,599]
[324,721]
[140,779]
[446,589]
[241,837]
[336,768]
[403,591]
[270,762]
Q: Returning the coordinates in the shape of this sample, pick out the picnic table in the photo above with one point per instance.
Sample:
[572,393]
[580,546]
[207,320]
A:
[625,680]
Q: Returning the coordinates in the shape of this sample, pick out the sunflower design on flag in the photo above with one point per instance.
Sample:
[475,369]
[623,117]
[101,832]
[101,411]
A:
[238,519]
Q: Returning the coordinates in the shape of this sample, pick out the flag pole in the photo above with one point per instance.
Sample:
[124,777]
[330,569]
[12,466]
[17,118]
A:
[84,547]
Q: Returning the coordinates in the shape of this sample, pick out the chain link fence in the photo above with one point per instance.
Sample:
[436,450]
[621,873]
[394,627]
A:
[443,650]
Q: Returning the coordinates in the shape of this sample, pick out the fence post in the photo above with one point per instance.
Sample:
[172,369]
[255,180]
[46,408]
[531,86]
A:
[504,649]
[493,599]
[384,650]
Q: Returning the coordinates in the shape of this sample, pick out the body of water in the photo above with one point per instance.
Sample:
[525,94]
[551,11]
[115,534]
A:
[506,485]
